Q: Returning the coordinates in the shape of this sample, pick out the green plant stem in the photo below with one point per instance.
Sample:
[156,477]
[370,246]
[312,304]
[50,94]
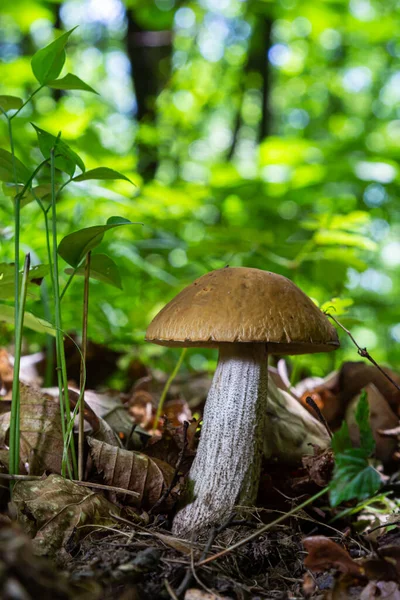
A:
[167,386]
[81,439]
[15,409]
[61,363]
[26,102]
[265,528]
[68,283]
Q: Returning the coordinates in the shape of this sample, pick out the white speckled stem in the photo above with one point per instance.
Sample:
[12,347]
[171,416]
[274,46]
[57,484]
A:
[226,469]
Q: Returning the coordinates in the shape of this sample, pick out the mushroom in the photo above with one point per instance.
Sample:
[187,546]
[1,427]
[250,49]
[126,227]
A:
[247,314]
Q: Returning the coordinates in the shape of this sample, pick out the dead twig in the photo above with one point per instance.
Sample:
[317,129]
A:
[262,529]
[176,473]
[363,351]
[89,484]
[187,580]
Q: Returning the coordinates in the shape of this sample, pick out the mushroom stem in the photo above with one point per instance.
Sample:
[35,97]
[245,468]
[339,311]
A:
[227,466]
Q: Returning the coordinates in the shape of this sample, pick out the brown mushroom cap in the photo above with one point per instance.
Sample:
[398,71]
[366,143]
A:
[243,305]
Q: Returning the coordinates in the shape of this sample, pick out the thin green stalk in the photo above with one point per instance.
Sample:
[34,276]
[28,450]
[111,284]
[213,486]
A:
[15,412]
[26,102]
[61,363]
[168,385]
[68,283]
[81,439]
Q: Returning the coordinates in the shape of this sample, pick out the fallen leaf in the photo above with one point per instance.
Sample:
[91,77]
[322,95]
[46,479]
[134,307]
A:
[41,434]
[54,510]
[320,465]
[324,553]
[384,590]
[134,471]
[354,376]
[6,374]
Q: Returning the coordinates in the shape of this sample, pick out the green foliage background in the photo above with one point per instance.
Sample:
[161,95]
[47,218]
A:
[258,133]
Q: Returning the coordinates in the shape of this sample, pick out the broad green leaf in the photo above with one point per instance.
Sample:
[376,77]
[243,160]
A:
[10,103]
[74,247]
[7,171]
[30,320]
[70,82]
[48,62]
[337,306]
[354,483]
[101,173]
[102,268]
[341,439]
[41,191]
[353,477]
[367,441]
[66,159]
[338,238]
[36,274]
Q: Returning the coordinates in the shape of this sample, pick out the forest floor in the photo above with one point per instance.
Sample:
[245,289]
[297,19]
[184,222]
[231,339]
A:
[64,540]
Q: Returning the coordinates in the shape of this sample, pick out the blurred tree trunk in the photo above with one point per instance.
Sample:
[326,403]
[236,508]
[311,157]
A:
[257,62]
[150,56]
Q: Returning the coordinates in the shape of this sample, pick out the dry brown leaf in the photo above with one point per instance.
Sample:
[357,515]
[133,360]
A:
[41,434]
[132,471]
[381,416]
[196,594]
[324,553]
[319,466]
[384,590]
[51,510]
[6,374]
[354,376]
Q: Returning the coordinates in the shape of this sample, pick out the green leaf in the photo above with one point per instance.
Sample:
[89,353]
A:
[41,191]
[66,159]
[102,268]
[7,171]
[10,103]
[341,439]
[71,82]
[101,173]
[48,62]
[36,274]
[30,320]
[356,482]
[337,306]
[367,441]
[353,477]
[74,247]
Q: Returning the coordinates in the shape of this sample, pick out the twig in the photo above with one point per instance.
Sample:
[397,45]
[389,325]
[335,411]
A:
[170,590]
[89,484]
[186,581]
[319,414]
[176,473]
[364,352]
[263,529]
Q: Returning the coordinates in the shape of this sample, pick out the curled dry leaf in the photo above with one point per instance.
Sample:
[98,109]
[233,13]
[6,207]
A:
[41,434]
[354,376]
[134,471]
[52,510]
[320,466]
[324,553]
[381,417]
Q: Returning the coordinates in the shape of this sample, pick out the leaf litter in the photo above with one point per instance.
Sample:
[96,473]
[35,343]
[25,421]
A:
[112,543]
